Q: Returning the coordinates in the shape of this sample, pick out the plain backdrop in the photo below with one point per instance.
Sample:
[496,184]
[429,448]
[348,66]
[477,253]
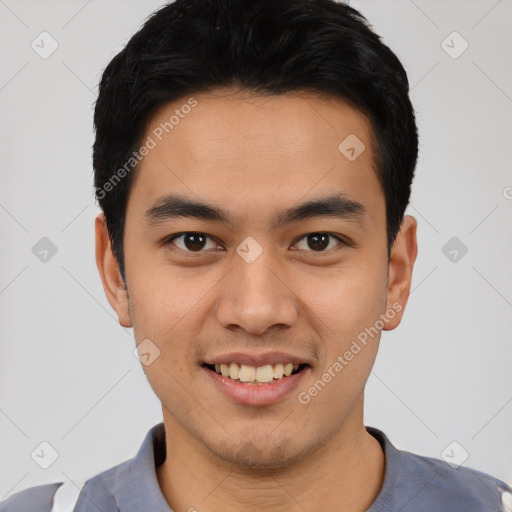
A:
[68,375]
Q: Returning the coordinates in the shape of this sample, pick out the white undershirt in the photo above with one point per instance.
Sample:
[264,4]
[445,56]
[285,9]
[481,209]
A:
[66,497]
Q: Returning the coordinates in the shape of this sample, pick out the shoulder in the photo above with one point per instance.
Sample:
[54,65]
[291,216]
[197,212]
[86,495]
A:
[131,482]
[458,488]
[416,483]
[93,495]
[97,492]
[37,499]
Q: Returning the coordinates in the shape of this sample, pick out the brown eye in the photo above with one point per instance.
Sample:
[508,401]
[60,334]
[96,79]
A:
[191,242]
[318,242]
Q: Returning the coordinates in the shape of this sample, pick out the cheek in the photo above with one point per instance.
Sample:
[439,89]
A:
[164,315]
[154,311]
[160,298]
[348,299]
[169,309]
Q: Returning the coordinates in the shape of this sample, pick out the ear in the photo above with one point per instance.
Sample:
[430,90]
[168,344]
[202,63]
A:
[402,258]
[108,267]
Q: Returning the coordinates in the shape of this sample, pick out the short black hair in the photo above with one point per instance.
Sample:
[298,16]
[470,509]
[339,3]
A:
[264,46]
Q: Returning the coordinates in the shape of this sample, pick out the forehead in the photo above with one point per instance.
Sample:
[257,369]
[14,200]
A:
[230,145]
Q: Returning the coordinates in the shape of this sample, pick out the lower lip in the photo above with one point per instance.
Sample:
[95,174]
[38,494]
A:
[256,394]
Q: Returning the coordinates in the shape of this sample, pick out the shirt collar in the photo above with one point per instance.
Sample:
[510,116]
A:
[136,485]
[386,499]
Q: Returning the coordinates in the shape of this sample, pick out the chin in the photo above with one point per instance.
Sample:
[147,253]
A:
[263,454]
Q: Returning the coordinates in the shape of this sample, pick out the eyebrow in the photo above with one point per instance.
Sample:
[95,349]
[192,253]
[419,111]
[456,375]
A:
[173,206]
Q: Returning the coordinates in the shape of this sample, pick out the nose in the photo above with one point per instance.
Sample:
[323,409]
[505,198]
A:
[256,296]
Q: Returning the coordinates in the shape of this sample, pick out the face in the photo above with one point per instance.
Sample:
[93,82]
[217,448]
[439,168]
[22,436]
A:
[281,260]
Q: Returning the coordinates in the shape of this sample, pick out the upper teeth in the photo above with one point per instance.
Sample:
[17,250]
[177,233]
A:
[261,374]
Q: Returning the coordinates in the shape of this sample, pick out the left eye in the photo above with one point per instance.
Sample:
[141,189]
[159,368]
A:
[319,241]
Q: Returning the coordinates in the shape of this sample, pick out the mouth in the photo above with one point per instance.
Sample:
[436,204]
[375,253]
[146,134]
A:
[257,379]
[256,375]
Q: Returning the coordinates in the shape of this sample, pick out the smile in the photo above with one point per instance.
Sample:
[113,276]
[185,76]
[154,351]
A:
[256,375]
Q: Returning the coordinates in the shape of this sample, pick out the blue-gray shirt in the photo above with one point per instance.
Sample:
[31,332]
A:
[412,483]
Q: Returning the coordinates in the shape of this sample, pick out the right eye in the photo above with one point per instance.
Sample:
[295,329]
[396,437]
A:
[190,241]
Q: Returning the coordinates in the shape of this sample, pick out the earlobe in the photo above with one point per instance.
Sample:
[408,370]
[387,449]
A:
[108,267]
[402,258]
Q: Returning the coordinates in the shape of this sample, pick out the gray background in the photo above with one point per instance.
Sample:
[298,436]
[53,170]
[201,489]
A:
[67,372]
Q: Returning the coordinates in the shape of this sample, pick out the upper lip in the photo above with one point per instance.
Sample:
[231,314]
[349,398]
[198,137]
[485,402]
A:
[262,359]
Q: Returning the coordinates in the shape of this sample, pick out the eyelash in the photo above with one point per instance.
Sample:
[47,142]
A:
[169,240]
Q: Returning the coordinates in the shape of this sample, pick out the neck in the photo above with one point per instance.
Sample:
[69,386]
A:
[345,474]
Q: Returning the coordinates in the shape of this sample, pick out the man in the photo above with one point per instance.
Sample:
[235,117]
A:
[253,162]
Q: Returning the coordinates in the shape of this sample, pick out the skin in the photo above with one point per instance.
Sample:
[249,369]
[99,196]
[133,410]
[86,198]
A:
[256,156]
